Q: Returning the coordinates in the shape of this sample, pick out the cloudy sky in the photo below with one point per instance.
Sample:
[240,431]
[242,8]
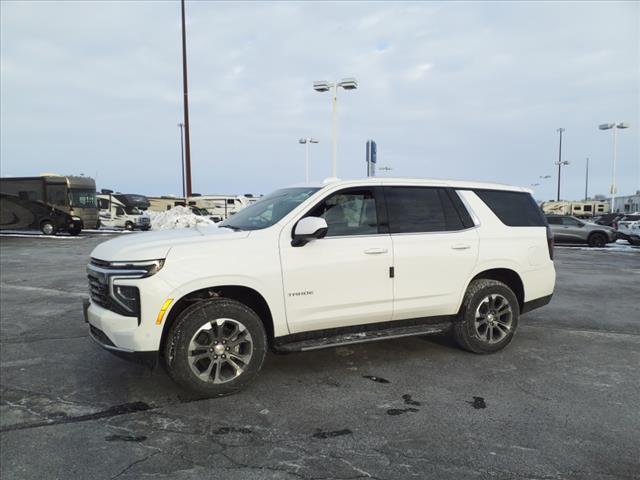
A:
[471,90]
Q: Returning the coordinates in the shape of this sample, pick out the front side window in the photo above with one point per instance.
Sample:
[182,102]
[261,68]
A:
[348,212]
[571,222]
[81,198]
[269,210]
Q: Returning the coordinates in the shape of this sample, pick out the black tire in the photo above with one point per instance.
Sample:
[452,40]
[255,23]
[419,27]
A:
[597,240]
[47,227]
[185,331]
[465,331]
[128,226]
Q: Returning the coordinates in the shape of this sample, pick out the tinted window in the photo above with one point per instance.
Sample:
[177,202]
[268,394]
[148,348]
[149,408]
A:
[554,220]
[349,212]
[515,209]
[423,209]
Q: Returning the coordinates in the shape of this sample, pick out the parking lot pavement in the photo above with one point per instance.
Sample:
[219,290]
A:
[560,402]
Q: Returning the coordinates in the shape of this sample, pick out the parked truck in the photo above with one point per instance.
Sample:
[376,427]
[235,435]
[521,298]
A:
[50,203]
[118,210]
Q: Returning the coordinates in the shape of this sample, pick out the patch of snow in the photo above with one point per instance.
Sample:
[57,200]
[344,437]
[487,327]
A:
[177,217]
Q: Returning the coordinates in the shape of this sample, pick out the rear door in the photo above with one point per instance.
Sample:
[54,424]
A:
[435,246]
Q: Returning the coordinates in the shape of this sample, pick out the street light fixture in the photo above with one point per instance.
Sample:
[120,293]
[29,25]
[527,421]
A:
[560,162]
[306,141]
[613,126]
[325,86]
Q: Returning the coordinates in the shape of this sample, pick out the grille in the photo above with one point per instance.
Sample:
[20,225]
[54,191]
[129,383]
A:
[99,293]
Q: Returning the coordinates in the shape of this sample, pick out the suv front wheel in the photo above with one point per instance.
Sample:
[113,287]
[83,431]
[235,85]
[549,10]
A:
[488,318]
[215,347]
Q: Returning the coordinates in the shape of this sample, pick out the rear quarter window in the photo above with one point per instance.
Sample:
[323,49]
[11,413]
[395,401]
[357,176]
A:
[515,209]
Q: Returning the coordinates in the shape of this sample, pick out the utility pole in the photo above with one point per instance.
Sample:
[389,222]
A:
[560,162]
[187,144]
[181,125]
[586,182]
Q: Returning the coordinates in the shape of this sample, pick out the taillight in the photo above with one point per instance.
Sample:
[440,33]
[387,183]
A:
[550,241]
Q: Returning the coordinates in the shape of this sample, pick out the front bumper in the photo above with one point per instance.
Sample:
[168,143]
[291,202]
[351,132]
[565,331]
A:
[149,358]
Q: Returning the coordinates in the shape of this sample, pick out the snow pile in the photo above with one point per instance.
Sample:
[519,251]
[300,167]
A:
[177,217]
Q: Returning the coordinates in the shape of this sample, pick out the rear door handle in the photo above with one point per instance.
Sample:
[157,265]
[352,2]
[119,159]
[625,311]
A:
[375,251]
[460,246]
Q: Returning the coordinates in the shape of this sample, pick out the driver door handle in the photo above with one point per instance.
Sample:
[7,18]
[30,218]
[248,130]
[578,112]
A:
[375,251]
[461,246]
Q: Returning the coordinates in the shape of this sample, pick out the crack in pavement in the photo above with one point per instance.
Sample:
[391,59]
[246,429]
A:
[113,411]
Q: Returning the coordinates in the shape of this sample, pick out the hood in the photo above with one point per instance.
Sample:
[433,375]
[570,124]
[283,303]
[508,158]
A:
[156,245]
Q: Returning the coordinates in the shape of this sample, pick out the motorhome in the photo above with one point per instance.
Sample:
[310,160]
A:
[121,211]
[220,207]
[584,209]
[164,203]
[50,203]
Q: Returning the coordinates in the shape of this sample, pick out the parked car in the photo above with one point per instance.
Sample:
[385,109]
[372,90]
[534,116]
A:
[322,266]
[568,229]
[629,229]
[609,219]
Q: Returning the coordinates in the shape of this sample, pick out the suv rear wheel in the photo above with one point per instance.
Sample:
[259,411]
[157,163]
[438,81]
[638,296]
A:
[597,240]
[215,347]
[488,318]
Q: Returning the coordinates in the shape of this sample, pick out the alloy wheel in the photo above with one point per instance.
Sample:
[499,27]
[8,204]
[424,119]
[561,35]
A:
[493,318]
[220,350]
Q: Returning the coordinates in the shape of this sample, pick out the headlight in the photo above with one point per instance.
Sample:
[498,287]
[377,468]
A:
[123,299]
[76,219]
[128,297]
[136,269]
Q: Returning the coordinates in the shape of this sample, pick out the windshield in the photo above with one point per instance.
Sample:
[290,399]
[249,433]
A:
[82,198]
[132,211]
[269,210]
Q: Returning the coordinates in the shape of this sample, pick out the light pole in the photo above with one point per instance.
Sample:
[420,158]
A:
[324,86]
[615,126]
[306,141]
[185,94]
[181,125]
[586,182]
[560,162]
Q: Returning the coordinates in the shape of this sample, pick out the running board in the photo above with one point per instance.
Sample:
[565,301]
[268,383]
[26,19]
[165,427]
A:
[339,340]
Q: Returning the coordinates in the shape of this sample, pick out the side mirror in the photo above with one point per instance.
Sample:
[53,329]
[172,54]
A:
[307,229]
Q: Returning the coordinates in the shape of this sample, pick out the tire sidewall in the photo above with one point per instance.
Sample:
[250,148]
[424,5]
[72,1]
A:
[186,325]
[469,318]
[47,222]
[593,240]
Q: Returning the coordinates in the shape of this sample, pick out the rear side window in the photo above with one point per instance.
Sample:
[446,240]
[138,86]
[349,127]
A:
[515,209]
[424,209]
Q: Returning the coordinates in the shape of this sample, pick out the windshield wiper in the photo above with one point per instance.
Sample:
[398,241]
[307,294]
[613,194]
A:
[235,229]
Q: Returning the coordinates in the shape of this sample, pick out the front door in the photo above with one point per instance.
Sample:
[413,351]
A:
[344,278]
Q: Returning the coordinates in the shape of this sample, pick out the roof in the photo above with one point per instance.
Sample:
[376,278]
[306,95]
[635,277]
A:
[460,184]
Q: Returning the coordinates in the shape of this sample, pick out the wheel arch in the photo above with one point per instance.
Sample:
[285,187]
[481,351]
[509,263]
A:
[509,277]
[243,294]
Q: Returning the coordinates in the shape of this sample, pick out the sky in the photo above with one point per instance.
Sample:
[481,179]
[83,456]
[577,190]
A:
[465,90]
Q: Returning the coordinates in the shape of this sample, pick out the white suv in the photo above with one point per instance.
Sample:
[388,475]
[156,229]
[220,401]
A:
[319,266]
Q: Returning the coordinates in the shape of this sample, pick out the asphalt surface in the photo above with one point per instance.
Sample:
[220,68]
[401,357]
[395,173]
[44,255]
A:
[561,402]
